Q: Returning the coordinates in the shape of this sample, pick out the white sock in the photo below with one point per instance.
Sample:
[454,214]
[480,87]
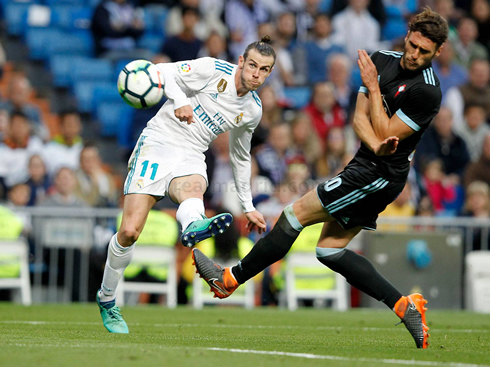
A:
[118,258]
[190,210]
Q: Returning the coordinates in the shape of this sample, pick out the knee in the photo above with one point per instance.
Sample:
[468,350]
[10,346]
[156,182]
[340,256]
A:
[128,235]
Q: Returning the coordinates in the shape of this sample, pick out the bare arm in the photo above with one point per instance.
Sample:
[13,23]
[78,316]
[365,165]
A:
[364,129]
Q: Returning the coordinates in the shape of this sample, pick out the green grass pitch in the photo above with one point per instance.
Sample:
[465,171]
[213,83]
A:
[73,335]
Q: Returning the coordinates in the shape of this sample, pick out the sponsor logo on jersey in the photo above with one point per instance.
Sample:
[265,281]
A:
[222,85]
[212,123]
[140,184]
[185,67]
[239,118]
[401,88]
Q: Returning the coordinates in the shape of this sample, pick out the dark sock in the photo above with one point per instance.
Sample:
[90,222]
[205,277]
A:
[360,273]
[269,249]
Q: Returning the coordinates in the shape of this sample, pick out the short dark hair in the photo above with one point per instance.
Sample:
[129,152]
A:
[431,25]
[19,113]
[263,47]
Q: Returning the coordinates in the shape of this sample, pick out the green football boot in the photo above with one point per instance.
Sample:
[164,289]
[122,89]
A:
[111,317]
[204,228]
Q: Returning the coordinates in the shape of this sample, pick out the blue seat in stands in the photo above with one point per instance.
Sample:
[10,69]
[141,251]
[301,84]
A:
[297,97]
[70,43]
[16,16]
[38,41]
[91,69]
[61,67]
[112,116]
[84,91]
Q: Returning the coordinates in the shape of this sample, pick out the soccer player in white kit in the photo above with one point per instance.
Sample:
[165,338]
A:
[206,97]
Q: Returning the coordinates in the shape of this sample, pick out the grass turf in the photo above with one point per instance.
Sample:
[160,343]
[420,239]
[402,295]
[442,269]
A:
[73,335]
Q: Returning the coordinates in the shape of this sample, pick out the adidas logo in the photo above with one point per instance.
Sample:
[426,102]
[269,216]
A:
[214,96]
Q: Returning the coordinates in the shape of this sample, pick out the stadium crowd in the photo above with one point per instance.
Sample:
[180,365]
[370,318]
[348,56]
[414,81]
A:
[296,144]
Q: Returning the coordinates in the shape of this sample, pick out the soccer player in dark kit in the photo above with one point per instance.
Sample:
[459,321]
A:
[399,98]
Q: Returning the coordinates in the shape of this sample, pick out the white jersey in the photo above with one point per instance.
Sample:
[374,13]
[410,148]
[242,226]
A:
[208,86]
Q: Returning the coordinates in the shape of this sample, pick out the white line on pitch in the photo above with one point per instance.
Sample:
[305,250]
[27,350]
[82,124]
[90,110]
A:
[235,326]
[346,359]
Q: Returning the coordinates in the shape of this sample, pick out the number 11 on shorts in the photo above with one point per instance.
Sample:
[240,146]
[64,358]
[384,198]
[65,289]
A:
[153,167]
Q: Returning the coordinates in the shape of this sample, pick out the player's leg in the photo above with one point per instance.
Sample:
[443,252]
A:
[188,191]
[274,246]
[361,273]
[119,255]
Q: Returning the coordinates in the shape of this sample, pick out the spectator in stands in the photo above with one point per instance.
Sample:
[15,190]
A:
[3,60]
[440,142]
[356,29]
[317,50]
[476,91]
[262,190]
[185,45]
[215,46]
[335,156]
[116,26]
[375,7]
[339,73]
[474,130]
[222,173]
[19,195]
[298,175]
[449,73]
[402,206]
[64,149]
[209,21]
[480,170]
[4,123]
[272,156]
[448,10]
[63,192]
[16,150]
[324,110]
[466,46]
[38,180]
[478,200]
[438,186]
[242,18]
[272,114]
[284,45]
[94,184]
[305,19]
[305,141]
[477,205]
[272,208]
[19,94]
[480,11]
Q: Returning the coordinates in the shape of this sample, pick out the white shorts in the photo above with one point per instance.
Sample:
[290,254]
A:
[153,165]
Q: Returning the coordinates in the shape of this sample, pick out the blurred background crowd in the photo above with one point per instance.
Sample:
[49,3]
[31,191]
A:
[66,134]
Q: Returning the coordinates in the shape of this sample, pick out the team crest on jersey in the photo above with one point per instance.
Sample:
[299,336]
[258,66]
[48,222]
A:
[185,67]
[401,88]
[140,184]
[239,118]
[222,85]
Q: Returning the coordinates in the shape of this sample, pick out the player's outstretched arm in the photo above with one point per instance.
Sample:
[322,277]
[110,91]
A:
[256,220]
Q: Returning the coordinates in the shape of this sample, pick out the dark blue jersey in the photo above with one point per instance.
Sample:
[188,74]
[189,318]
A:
[415,97]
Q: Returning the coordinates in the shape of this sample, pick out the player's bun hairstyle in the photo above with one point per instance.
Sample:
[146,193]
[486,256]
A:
[263,47]
[431,25]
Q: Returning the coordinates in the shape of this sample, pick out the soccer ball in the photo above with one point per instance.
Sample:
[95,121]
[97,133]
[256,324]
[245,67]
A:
[140,84]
